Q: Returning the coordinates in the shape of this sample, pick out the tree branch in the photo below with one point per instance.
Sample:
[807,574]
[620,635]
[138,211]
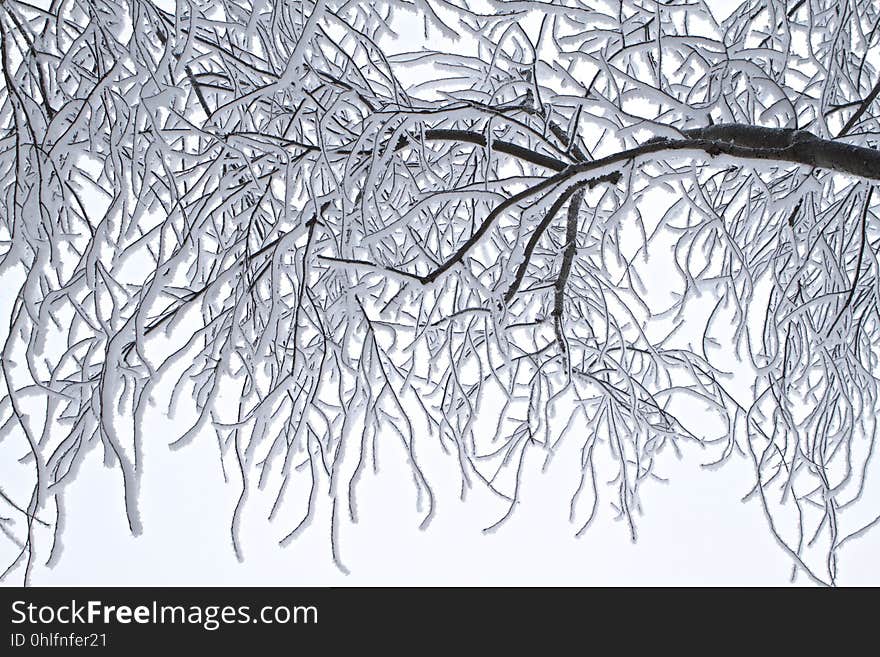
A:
[736,140]
[498,145]
[564,271]
[757,143]
[533,242]
[612,177]
[865,104]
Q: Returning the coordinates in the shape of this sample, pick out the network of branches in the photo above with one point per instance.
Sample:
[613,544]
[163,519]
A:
[498,227]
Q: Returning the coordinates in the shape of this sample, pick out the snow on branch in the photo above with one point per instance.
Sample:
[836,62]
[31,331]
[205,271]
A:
[311,232]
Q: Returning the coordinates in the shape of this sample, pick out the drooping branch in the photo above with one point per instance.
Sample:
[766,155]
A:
[308,98]
[571,229]
[539,231]
[548,183]
[863,106]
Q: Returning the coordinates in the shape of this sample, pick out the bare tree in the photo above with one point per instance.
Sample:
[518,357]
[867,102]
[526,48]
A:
[323,239]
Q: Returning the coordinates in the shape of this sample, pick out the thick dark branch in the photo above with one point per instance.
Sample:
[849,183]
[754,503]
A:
[758,143]
[809,150]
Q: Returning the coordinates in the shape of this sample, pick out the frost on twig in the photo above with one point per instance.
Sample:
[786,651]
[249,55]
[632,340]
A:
[533,224]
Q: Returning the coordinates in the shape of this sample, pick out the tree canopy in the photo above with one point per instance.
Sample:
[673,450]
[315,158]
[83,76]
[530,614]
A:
[631,226]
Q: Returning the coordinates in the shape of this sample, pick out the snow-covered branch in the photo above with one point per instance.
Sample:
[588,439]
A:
[311,231]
